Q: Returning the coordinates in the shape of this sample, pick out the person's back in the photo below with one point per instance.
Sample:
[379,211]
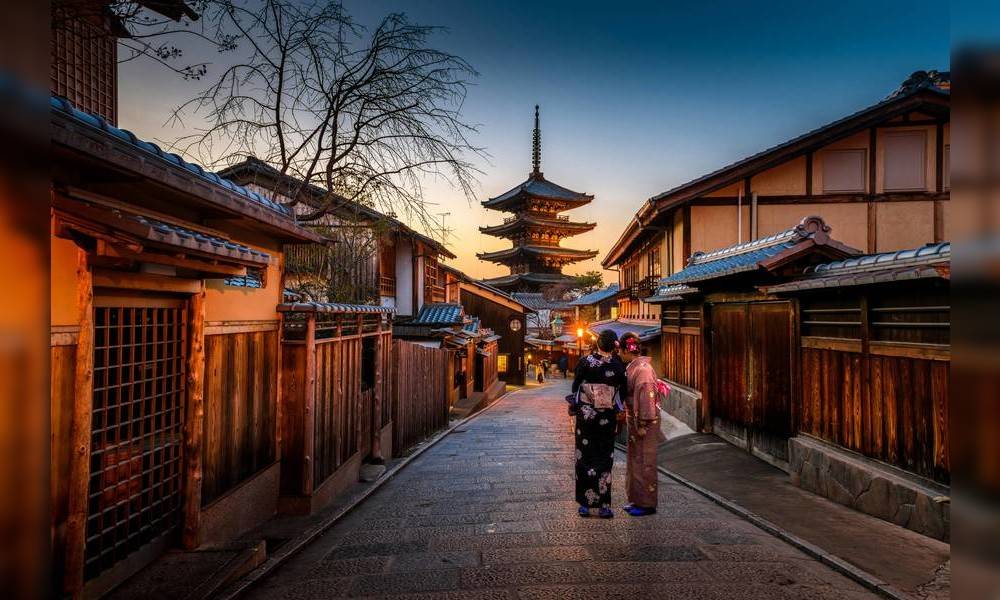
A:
[596,400]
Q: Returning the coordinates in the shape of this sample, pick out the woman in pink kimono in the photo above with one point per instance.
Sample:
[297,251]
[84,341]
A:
[644,434]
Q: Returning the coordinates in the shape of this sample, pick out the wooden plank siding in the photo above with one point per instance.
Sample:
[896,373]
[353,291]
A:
[421,399]
[682,355]
[900,418]
[241,409]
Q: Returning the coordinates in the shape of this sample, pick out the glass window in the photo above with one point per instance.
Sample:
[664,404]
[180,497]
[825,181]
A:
[502,362]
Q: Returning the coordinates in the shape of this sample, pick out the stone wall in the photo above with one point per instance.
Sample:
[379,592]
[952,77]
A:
[870,487]
[683,404]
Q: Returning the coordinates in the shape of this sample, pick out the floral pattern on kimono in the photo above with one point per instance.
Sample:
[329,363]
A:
[595,430]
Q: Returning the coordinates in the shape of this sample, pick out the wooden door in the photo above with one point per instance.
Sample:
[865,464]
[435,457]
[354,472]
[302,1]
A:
[770,378]
[751,376]
[729,362]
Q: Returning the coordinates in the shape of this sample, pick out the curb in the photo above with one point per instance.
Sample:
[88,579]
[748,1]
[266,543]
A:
[866,579]
[293,547]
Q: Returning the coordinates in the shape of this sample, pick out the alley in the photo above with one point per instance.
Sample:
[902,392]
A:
[488,513]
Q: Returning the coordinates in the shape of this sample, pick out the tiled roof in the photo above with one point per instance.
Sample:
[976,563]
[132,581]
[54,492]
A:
[471,326]
[566,338]
[330,307]
[886,267]
[537,251]
[647,329]
[596,296]
[439,313]
[524,220]
[747,256]
[253,167]
[537,301]
[671,293]
[169,233]
[540,278]
[540,187]
[65,107]
[939,81]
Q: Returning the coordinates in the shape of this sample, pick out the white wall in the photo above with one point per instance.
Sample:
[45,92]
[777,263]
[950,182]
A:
[404,278]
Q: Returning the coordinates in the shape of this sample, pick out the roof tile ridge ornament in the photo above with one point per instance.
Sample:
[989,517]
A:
[809,227]
[536,150]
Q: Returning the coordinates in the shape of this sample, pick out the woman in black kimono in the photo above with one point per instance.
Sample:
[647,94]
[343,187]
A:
[596,401]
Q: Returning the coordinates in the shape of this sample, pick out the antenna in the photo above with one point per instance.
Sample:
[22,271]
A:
[445,232]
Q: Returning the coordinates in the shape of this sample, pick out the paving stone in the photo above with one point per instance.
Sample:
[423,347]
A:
[489,514]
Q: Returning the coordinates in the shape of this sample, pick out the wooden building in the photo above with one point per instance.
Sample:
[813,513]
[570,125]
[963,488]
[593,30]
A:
[499,312]
[536,259]
[373,257]
[165,280]
[599,305]
[879,177]
[806,362]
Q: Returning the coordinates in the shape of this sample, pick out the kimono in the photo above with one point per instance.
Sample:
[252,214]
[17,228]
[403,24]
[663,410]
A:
[598,386]
[644,434]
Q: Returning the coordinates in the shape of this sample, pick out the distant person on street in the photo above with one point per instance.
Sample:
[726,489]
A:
[564,365]
[540,372]
[598,387]
[643,421]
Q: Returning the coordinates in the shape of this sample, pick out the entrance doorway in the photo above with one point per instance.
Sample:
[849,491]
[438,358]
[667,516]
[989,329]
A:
[751,376]
[135,490]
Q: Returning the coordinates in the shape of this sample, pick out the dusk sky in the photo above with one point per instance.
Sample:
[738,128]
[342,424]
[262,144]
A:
[634,99]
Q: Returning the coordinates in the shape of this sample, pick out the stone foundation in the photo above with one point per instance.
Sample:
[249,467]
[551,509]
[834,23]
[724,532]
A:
[871,487]
[683,404]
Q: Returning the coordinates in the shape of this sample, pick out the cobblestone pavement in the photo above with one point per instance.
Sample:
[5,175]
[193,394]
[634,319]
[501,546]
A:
[488,513]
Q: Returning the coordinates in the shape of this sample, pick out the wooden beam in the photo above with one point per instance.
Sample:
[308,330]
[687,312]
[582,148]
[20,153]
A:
[182,261]
[872,189]
[80,431]
[194,422]
[938,222]
[146,281]
[686,226]
[809,174]
[309,407]
[939,157]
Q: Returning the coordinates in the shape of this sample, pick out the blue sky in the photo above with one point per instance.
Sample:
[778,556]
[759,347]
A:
[635,98]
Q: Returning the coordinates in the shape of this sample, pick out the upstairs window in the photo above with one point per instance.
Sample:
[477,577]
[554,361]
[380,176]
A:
[253,279]
[844,171]
[905,161]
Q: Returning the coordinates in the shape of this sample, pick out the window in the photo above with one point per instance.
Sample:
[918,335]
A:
[844,170]
[653,262]
[905,164]
[502,362]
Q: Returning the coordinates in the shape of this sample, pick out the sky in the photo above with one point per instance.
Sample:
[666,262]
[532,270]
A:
[635,98]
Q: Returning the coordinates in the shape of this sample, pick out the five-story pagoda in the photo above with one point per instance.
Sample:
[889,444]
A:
[536,227]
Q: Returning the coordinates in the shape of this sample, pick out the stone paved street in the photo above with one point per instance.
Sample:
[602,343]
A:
[488,513]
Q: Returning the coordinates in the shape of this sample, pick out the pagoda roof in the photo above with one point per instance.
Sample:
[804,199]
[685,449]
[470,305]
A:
[536,186]
[516,251]
[509,281]
[525,220]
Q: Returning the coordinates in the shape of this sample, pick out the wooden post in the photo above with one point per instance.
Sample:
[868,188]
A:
[309,407]
[80,431]
[194,422]
[377,412]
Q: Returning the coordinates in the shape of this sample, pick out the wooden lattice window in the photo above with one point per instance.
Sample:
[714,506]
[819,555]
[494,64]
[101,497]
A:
[908,318]
[136,432]
[836,317]
[502,360]
[84,64]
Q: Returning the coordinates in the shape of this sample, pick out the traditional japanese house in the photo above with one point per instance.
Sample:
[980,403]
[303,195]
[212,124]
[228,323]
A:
[828,364]
[165,283]
[371,257]
[499,312]
[536,259]
[874,362]
[599,305]
[879,177]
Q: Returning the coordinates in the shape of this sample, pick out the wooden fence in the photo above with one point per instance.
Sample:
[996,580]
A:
[333,390]
[423,381]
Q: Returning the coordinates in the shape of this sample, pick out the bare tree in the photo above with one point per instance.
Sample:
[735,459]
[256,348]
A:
[363,114]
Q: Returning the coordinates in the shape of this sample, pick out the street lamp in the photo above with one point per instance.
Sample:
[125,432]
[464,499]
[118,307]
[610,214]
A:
[579,342]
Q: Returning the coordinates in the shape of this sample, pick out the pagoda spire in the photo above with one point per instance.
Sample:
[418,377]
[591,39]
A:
[536,148]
